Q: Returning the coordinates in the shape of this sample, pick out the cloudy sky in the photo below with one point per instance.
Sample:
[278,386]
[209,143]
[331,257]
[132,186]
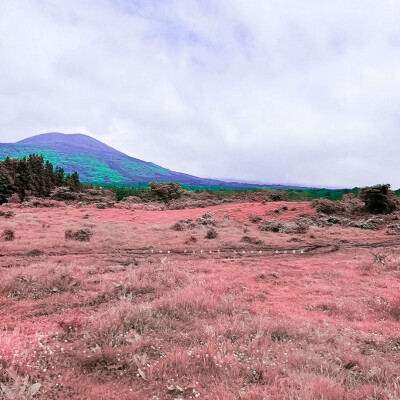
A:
[273,91]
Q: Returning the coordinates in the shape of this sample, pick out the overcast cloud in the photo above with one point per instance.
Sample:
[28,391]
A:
[291,91]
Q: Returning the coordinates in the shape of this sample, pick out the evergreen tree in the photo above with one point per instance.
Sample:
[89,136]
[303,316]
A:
[59,176]
[49,177]
[33,176]
[76,184]
[5,189]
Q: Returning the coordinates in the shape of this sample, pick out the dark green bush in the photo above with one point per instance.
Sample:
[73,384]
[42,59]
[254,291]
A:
[165,191]
[379,199]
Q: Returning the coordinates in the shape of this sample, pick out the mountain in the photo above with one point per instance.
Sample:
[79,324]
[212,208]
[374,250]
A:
[99,164]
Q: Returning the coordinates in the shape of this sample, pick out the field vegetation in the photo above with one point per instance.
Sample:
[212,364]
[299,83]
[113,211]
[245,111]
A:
[179,294]
[146,304]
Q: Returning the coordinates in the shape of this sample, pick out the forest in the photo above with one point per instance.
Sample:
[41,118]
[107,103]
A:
[33,176]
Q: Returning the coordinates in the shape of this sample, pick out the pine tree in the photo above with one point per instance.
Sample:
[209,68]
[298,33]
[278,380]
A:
[59,176]
[5,189]
[76,185]
[33,176]
[49,177]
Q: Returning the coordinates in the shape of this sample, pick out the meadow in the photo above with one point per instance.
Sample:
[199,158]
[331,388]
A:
[141,303]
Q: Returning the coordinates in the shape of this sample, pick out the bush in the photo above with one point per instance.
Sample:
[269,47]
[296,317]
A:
[14,199]
[191,240]
[35,253]
[379,199]
[250,240]
[283,227]
[211,234]
[327,206]
[6,214]
[276,195]
[165,191]
[206,219]
[255,219]
[81,235]
[89,195]
[8,235]
[183,224]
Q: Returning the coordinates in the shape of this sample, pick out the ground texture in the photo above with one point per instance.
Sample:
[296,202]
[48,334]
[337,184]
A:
[196,303]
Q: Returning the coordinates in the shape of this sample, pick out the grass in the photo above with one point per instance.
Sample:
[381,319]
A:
[96,322]
[170,329]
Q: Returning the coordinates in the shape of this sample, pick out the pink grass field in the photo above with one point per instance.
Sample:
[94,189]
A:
[143,311]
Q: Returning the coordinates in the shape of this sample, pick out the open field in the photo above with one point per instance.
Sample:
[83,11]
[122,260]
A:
[120,304]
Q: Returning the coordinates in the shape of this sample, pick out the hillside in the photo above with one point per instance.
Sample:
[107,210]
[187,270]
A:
[97,163]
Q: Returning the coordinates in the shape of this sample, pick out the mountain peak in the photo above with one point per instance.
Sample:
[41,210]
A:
[77,142]
[76,139]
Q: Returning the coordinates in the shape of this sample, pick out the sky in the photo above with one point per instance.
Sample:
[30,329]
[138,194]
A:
[272,91]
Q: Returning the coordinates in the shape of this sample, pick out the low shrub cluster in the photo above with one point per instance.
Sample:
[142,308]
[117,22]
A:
[6,214]
[103,198]
[81,235]
[251,240]
[206,219]
[283,227]
[211,234]
[378,199]
[183,224]
[8,235]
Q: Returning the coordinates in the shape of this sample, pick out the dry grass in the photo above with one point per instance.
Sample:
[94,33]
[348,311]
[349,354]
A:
[82,323]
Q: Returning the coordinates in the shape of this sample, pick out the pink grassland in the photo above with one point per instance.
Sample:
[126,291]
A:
[113,318]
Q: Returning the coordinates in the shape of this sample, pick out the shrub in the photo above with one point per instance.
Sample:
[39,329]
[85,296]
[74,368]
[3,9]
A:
[35,253]
[379,199]
[132,199]
[190,240]
[327,206]
[81,235]
[165,191]
[14,199]
[183,224]
[275,195]
[250,240]
[254,219]
[8,235]
[283,227]
[211,234]
[206,219]
[87,195]
[6,214]
[178,227]
[63,193]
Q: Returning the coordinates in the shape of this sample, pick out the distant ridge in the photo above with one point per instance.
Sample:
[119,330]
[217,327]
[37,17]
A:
[100,164]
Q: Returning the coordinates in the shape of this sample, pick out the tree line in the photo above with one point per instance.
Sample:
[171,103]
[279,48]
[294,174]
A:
[33,176]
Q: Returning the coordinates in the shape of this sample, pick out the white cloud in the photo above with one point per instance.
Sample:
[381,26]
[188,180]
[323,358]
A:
[273,91]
